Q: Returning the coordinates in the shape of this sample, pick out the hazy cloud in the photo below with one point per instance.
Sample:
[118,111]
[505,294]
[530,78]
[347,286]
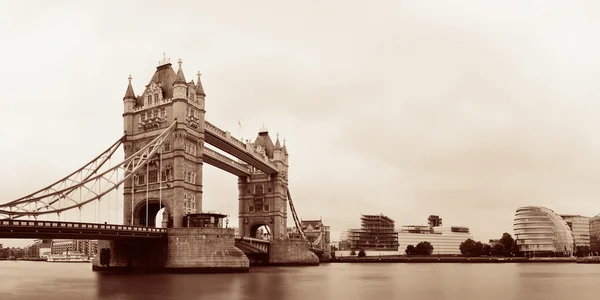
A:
[402,108]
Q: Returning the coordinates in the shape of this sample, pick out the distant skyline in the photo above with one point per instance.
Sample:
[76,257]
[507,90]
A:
[397,107]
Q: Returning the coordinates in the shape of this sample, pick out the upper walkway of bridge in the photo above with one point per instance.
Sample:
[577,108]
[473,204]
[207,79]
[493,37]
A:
[246,152]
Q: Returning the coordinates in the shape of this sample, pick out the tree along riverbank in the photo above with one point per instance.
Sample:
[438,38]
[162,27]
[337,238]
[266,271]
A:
[452,259]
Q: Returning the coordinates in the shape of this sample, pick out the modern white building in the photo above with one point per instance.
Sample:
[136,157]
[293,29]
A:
[540,231]
[580,226]
[445,240]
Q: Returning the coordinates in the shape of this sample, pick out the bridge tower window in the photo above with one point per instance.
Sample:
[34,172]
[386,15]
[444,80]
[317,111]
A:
[258,204]
[166,174]
[258,189]
[141,179]
[152,176]
[185,203]
[166,147]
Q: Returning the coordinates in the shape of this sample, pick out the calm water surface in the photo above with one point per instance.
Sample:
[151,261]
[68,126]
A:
[40,280]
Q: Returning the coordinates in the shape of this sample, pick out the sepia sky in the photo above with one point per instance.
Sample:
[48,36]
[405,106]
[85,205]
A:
[404,108]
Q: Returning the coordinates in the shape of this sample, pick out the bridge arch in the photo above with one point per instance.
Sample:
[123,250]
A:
[154,207]
[261,231]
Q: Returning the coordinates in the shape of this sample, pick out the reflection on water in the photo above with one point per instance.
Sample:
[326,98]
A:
[39,280]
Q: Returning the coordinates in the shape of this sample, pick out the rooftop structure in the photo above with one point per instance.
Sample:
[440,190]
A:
[207,219]
[434,221]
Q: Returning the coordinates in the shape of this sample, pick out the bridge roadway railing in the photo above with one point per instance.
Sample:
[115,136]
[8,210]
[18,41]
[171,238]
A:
[227,136]
[40,226]
[258,243]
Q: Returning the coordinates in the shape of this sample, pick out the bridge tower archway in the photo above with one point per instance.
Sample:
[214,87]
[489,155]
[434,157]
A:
[261,231]
[155,206]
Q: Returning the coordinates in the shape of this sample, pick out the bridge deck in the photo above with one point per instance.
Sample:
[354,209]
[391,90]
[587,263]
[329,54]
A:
[71,230]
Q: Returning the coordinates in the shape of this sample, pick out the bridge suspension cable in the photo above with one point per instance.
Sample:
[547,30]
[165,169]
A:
[59,197]
[71,180]
[295,216]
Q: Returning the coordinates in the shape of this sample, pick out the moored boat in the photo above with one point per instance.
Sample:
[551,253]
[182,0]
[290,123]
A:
[77,257]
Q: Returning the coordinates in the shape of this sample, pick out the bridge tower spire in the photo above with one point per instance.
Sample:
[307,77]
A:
[129,101]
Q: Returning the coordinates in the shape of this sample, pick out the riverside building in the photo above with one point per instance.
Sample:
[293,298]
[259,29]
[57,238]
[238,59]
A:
[595,235]
[539,231]
[445,240]
[377,233]
[580,227]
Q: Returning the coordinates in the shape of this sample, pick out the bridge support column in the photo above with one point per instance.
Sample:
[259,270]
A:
[204,250]
[131,255]
[292,252]
[184,250]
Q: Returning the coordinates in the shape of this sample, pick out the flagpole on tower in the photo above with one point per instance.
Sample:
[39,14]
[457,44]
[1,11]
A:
[240,130]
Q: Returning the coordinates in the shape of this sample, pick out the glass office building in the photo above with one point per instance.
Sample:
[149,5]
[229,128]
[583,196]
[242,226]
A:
[539,231]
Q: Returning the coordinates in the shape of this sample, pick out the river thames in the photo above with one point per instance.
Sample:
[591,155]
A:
[24,280]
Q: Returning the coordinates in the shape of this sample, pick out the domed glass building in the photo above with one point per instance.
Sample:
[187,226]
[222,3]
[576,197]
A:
[539,231]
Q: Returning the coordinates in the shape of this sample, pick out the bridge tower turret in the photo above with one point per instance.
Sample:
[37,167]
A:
[128,103]
[173,180]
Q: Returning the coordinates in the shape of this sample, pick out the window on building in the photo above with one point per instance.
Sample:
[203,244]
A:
[156,98]
[258,190]
[166,147]
[152,176]
[266,207]
[185,203]
[250,208]
[149,98]
[258,204]
[141,179]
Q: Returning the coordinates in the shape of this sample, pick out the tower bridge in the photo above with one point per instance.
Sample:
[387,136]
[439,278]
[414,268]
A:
[166,143]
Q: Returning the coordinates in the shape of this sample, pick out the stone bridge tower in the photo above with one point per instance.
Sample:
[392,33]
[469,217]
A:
[262,197]
[173,179]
